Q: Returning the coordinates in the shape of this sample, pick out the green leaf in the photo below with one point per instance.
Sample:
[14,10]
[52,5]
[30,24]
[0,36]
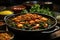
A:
[24,11]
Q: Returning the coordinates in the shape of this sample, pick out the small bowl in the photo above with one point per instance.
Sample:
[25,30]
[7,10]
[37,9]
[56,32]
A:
[9,33]
[17,8]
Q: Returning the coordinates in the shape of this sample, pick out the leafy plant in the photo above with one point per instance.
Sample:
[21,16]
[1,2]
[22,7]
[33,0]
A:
[38,9]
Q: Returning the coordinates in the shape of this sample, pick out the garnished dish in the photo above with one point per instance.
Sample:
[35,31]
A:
[30,21]
[34,18]
[5,36]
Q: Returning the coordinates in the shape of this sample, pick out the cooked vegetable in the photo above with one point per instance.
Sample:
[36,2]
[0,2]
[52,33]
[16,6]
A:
[30,21]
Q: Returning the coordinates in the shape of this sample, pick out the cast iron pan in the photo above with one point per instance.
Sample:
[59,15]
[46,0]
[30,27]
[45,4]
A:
[6,18]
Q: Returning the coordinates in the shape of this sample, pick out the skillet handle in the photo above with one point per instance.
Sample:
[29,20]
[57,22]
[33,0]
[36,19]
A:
[57,28]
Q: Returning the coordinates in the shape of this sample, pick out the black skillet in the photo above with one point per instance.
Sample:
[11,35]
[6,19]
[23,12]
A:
[42,30]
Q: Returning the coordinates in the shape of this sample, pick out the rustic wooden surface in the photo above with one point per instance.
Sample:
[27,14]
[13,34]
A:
[55,34]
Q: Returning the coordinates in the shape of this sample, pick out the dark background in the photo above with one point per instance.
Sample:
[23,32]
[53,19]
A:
[56,3]
[15,2]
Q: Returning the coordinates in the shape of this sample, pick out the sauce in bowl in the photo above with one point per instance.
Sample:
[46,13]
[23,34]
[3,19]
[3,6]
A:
[18,7]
